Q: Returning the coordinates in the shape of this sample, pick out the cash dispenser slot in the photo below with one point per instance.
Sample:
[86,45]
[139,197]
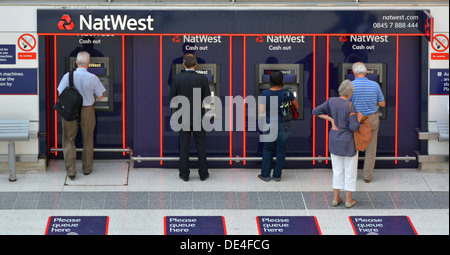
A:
[103,68]
[292,80]
[375,72]
[212,73]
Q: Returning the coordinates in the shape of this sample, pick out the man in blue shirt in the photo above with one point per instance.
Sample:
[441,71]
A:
[88,85]
[367,97]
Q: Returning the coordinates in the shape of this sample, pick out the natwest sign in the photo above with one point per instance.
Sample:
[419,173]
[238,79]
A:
[279,26]
[98,22]
[66,23]
[116,23]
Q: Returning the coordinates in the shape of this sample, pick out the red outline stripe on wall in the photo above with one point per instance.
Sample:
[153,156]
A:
[314,101]
[396,99]
[123,96]
[160,99]
[55,73]
[231,94]
[244,96]
[327,94]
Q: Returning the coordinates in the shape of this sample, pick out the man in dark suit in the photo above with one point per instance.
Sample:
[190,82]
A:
[194,88]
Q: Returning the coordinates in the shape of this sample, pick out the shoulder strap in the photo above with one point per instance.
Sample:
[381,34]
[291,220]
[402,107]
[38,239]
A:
[287,94]
[71,79]
[350,109]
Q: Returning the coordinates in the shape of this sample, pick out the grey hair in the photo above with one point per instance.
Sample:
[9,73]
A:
[359,68]
[83,58]
[346,88]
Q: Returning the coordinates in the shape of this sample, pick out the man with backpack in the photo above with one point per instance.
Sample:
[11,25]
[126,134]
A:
[88,85]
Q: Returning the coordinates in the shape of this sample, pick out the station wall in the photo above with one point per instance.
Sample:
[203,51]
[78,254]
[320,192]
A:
[16,21]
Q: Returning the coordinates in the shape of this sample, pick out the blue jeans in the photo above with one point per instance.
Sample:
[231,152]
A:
[284,129]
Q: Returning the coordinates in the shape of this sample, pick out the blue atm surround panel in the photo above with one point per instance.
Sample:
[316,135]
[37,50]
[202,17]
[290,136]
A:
[239,43]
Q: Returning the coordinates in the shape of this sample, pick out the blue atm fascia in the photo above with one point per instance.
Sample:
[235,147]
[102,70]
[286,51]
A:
[142,75]
[210,71]
[292,80]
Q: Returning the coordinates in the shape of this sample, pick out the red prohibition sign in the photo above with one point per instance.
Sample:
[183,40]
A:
[440,43]
[26,42]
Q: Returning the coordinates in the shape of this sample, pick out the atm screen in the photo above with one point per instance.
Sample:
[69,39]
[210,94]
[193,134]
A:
[210,71]
[209,77]
[207,73]
[288,76]
[372,77]
[292,81]
[97,68]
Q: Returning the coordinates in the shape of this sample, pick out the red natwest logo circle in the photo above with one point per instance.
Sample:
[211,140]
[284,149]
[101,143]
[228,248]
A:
[343,39]
[66,23]
[176,39]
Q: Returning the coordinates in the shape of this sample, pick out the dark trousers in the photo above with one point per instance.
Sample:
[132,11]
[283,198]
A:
[200,142]
[278,146]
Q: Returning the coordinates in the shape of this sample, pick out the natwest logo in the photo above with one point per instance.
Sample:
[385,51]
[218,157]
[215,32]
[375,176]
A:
[66,23]
[281,39]
[365,38]
[201,39]
[343,39]
[369,38]
[115,23]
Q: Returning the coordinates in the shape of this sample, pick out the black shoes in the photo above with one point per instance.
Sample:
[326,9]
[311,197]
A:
[184,178]
[187,178]
[204,178]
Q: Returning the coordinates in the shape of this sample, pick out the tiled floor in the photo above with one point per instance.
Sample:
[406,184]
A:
[136,200]
[217,200]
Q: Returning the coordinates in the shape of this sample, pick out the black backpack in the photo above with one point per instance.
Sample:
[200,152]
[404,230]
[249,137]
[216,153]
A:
[69,102]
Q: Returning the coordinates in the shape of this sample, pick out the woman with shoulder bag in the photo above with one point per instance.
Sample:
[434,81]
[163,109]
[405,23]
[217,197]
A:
[276,90]
[344,157]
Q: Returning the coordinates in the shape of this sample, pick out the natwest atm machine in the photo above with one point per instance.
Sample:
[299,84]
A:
[375,72]
[292,80]
[212,73]
[102,67]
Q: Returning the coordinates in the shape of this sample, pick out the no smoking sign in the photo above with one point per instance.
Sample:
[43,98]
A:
[440,47]
[440,43]
[26,42]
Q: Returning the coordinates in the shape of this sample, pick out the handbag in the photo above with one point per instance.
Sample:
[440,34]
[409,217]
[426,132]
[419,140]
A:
[363,135]
[288,111]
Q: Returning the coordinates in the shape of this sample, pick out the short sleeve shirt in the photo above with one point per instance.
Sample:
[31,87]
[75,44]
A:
[86,83]
[279,94]
[366,95]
